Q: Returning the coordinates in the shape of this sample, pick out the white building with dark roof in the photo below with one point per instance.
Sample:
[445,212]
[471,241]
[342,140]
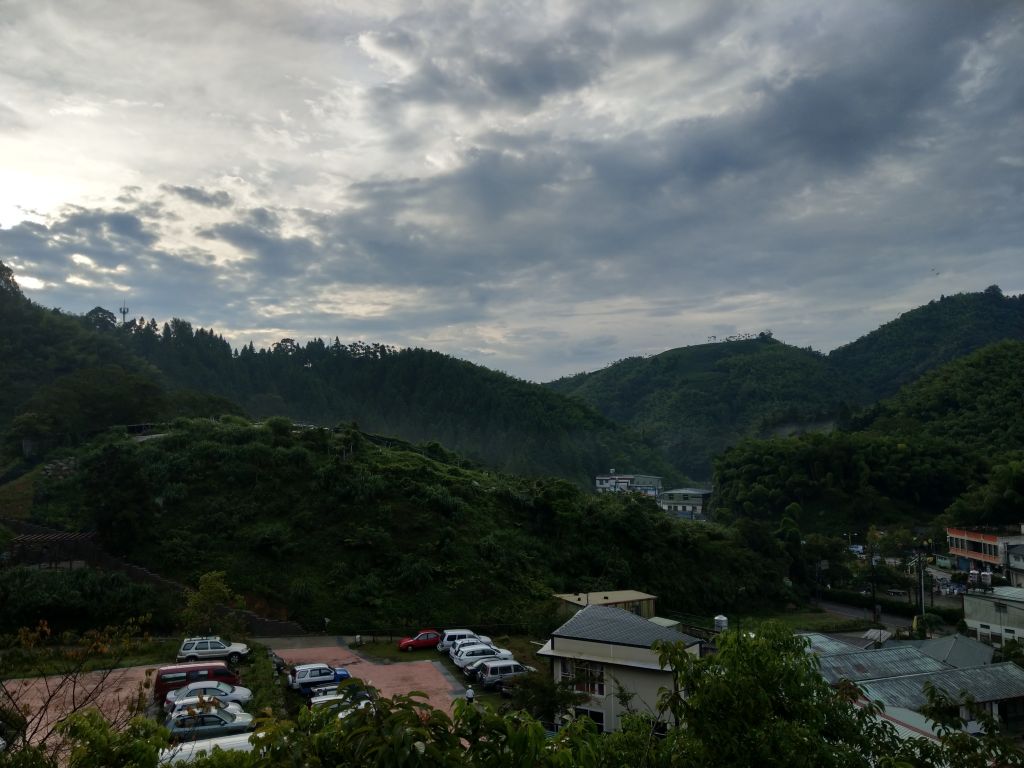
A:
[605,650]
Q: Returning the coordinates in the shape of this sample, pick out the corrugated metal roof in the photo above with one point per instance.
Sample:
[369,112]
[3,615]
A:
[825,645]
[994,682]
[873,664]
[957,650]
[1016,594]
[607,624]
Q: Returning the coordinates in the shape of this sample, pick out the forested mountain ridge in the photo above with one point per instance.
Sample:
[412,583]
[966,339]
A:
[62,380]
[694,402]
[66,377]
[877,364]
[952,441]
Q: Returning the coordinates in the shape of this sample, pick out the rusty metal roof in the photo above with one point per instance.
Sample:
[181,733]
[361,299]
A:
[877,663]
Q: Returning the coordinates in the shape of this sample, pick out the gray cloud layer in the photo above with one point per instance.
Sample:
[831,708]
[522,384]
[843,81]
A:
[542,191]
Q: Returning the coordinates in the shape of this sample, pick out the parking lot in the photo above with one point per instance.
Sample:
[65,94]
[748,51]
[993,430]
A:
[113,692]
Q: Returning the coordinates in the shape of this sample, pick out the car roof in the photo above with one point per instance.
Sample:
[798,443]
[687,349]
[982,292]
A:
[474,646]
[202,637]
[191,665]
[314,664]
[459,631]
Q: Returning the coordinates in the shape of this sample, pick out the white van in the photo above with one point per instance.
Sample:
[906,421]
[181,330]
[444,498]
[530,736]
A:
[491,673]
[450,636]
[188,751]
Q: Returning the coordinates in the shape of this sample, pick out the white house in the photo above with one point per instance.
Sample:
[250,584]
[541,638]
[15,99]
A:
[605,650]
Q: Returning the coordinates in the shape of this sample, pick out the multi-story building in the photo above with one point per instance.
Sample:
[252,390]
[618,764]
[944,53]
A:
[981,550]
[995,616]
[606,653]
[690,503]
[649,485]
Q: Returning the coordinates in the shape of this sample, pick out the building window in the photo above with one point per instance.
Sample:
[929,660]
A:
[595,715]
[587,676]
[1000,607]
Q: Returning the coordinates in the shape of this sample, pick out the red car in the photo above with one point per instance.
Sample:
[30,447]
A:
[425,638]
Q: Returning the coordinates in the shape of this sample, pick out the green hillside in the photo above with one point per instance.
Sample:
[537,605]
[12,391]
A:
[694,402]
[64,377]
[976,402]
[340,526]
[953,440]
[67,377]
[904,349]
[413,394]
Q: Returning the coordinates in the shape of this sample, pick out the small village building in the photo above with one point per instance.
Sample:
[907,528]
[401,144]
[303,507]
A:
[1015,565]
[998,688]
[982,550]
[605,651]
[648,485]
[688,503]
[995,616]
[630,600]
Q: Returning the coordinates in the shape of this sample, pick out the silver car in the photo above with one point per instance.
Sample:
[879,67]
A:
[474,652]
[208,689]
[211,647]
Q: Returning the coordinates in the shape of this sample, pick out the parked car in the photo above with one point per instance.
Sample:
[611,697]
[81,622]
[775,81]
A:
[187,726]
[204,703]
[189,751]
[471,669]
[450,636]
[343,704]
[179,675]
[211,647]
[473,640]
[222,691]
[304,677]
[425,638]
[472,652]
[498,671]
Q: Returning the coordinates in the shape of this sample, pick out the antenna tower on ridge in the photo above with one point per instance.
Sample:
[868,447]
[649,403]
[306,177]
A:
[124,312]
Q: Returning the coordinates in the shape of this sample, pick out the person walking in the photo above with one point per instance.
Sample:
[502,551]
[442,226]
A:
[469,694]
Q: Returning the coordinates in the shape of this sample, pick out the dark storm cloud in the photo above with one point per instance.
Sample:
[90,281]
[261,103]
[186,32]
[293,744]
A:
[504,73]
[200,196]
[259,235]
[554,190]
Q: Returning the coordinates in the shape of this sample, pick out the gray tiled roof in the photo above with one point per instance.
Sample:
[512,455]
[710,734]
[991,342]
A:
[607,624]
[872,664]
[995,682]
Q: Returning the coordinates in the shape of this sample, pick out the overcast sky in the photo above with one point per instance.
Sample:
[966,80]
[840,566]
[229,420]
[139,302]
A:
[542,188]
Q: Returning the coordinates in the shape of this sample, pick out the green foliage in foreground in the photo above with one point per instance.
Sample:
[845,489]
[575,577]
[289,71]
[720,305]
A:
[759,701]
[373,537]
